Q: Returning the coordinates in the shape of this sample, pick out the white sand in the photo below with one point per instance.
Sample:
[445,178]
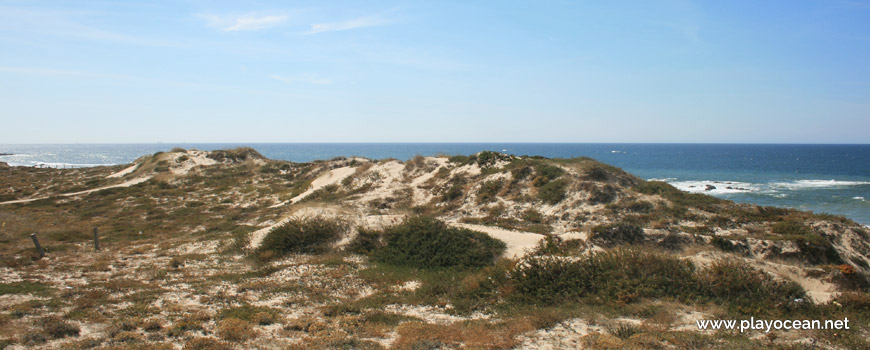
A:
[331,177]
[518,242]
[124,172]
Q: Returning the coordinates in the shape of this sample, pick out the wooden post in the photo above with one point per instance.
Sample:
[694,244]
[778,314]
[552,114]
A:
[96,240]
[39,250]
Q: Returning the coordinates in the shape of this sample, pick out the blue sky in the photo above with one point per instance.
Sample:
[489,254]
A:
[435,71]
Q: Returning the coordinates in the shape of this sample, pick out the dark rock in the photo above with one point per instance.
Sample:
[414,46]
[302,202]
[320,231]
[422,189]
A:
[709,188]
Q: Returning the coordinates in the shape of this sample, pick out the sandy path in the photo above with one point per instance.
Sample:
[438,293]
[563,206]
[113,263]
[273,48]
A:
[518,242]
[331,177]
[124,172]
[123,184]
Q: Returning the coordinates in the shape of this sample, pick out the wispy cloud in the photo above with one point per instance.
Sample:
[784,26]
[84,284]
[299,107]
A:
[67,24]
[356,23]
[244,22]
[305,78]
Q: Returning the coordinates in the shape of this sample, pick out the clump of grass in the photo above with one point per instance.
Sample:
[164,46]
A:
[206,344]
[57,328]
[622,330]
[23,288]
[257,314]
[306,235]
[425,242]
[236,330]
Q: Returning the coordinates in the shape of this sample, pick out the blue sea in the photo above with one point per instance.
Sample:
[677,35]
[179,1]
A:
[822,178]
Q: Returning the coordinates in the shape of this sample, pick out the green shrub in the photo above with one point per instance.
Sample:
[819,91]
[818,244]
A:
[365,242]
[23,288]
[250,313]
[235,155]
[549,172]
[488,191]
[615,234]
[723,244]
[459,159]
[622,275]
[597,173]
[745,288]
[426,242]
[814,248]
[553,192]
[455,191]
[602,195]
[309,235]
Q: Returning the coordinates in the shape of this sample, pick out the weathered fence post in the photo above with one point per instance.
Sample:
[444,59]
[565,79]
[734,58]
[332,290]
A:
[38,247]
[96,240]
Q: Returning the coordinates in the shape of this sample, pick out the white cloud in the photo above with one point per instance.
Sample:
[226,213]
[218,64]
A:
[244,22]
[305,78]
[356,23]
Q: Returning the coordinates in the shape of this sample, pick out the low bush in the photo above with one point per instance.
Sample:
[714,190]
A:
[553,192]
[488,191]
[545,173]
[255,314]
[307,235]
[425,242]
[597,173]
[621,275]
[615,234]
[235,155]
[814,248]
[206,344]
[602,195]
[365,242]
[625,275]
[236,330]
[56,328]
[455,191]
[745,288]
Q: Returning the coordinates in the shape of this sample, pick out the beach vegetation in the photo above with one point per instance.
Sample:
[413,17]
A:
[553,192]
[303,235]
[424,242]
[616,234]
[488,191]
[235,155]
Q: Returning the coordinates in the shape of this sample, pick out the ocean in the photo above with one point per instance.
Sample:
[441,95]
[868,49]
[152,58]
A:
[823,178]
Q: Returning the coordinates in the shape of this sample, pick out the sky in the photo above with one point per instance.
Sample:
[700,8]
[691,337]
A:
[435,71]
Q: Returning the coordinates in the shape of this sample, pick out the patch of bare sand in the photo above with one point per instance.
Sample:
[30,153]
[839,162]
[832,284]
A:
[331,177]
[567,334]
[194,159]
[124,172]
[433,314]
[518,242]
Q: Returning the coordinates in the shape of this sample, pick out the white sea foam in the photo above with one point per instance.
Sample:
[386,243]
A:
[60,165]
[715,187]
[859,198]
[664,179]
[811,184]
